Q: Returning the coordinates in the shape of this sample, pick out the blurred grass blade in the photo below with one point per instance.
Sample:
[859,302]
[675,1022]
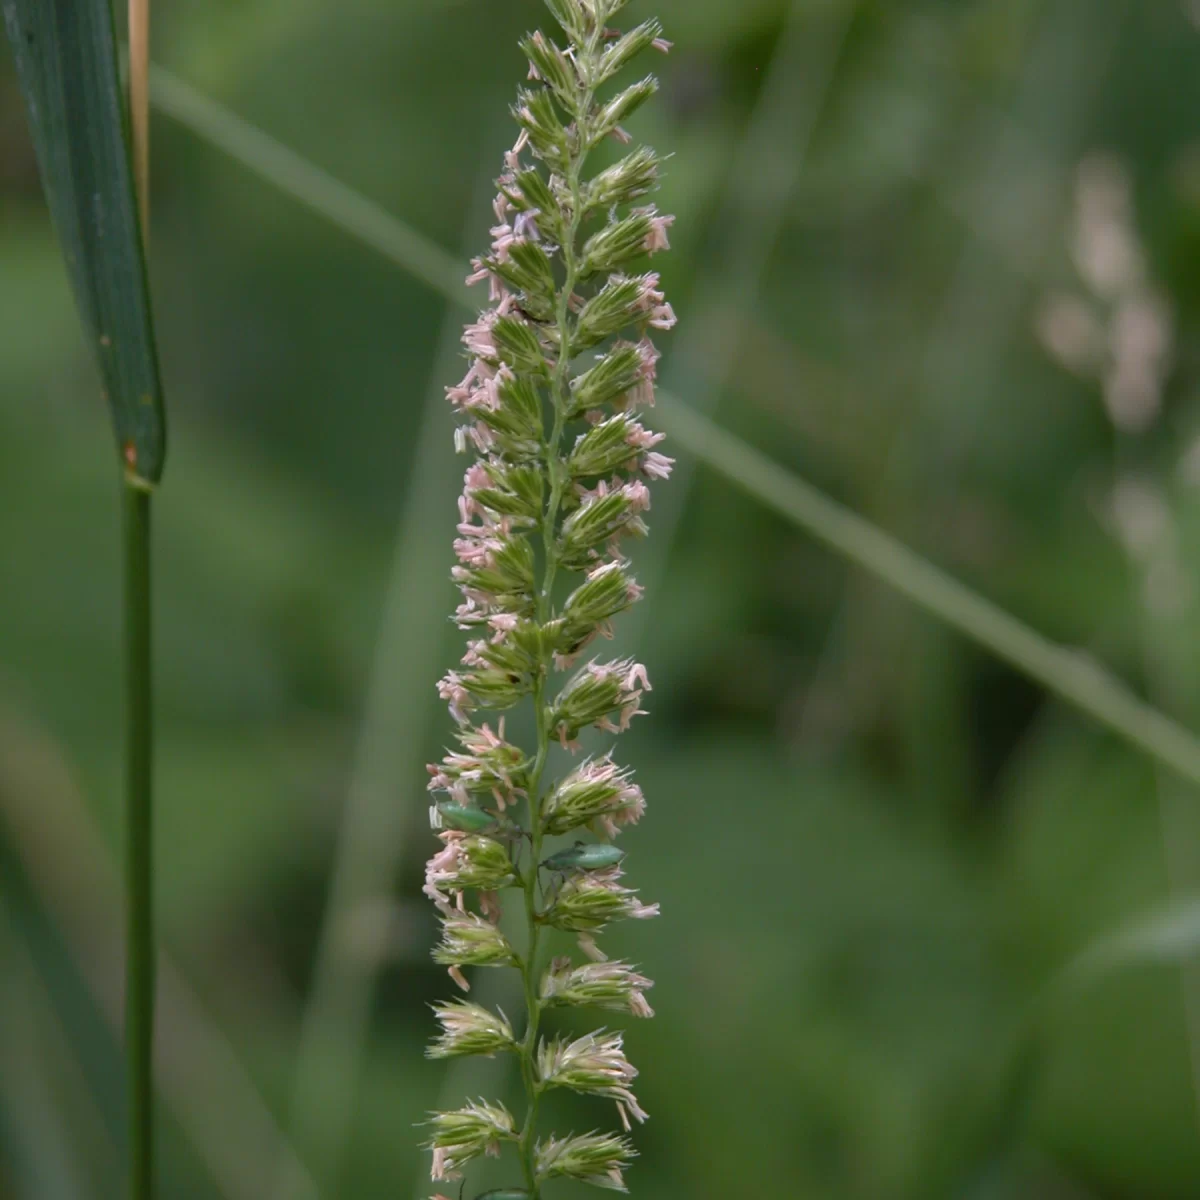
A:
[66,62]
[319,191]
[1170,936]
[1071,674]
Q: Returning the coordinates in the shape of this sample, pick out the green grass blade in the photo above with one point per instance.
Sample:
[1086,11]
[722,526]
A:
[66,62]
[1168,937]
[1072,675]
[319,191]
[1165,937]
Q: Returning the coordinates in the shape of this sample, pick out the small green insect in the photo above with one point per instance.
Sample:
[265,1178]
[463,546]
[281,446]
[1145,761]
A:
[466,818]
[584,856]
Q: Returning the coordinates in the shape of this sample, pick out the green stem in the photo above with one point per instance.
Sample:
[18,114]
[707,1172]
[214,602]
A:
[533,1010]
[139,873]
[533,1007]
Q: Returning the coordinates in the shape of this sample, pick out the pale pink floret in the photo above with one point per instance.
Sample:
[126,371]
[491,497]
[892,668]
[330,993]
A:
[587,944]
[475,655]
[636,675]
[510,159]
[597,770]
[503,239]
[481,437]
[656,239]
[639,1006]
[475,552]
[441,868]
[650,294]
[481,272]
[486,738]
[605,568]
[657,466]
[638,495]
[503,624]
[641,395]
[632,809]
[450,688]
[662,316]
[478,337]
[476,477]
[601,489]
[486,395]
[461,392]
[442,1164]
[525,226]
[642,438]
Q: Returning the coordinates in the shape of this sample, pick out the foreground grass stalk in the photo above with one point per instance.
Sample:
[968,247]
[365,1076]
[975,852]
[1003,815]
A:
[140,957]
[559,484]
[82,126]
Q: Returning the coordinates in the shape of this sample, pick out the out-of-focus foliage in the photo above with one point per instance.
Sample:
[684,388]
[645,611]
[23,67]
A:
[873,845]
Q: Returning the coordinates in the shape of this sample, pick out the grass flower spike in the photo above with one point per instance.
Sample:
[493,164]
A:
[561,364]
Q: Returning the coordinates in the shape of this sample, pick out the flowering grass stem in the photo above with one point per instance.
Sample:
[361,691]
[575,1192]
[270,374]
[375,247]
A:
[560,284]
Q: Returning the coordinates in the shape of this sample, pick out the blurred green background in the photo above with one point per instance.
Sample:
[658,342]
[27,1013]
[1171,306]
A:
[941,257]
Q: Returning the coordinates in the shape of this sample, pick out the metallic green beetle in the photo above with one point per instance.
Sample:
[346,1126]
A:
[466,818]
[584,856]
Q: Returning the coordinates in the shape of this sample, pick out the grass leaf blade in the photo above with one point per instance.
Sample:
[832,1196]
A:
[65,52]
[1169,936]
